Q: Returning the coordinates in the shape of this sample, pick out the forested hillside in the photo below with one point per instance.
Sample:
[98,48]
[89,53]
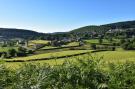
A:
[20,33]
[124,28]
[103,28]
[121,25]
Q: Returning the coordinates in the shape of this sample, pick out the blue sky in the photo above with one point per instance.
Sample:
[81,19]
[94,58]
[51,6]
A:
[63,15]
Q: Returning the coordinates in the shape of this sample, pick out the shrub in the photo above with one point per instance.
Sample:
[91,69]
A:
[122,41]
[93,46]
[113,48]
[22,51]
[122,76]
[127,46]
[11,52]
[100,40]
[30,52]
[86,74]
[5,77]
[79,74]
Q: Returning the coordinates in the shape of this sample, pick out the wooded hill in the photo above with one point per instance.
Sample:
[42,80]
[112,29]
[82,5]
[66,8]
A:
[106,27]
[18,33]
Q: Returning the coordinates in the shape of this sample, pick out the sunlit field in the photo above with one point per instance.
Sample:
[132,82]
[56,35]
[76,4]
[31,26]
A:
[51,55]
[5,49]
[107,57]
[39,41]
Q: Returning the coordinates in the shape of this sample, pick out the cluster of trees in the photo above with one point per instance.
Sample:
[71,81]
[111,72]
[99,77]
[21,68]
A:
[127,44]
[16,53]
[71,75]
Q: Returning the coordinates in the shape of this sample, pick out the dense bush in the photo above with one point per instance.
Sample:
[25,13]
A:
[122,76]
[70,75]
[21,51]
[128,44]
[93,46]
[103,47]
[12,53]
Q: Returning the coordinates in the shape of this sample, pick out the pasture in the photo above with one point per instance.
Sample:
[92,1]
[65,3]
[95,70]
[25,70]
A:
[51,55]
[54,56]
[96,41]
[5,49]
[117,56]
[105,41]
[39,41]
[106,56]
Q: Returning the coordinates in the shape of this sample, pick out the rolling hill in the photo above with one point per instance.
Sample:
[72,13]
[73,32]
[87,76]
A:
[103,28]
[86,30]
[18,33]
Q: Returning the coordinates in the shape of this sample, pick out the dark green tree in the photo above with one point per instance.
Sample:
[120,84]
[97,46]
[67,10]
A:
[11,52]
[100,40]
[93,46]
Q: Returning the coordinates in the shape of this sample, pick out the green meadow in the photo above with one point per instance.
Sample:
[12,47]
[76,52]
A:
[106,56]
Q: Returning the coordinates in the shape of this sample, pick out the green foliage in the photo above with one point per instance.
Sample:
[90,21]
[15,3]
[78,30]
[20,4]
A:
[79,74]
[22,51]
[127,45]
[86,74]
[30,52]
[5,49]
[93,46]
[122,76]
[113,48]
[100,41]
[12,52]
[8,52]
[122,41]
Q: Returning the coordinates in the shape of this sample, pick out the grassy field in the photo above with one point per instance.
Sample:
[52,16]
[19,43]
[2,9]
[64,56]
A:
[39,41]
[105,41]
[117,56]
[51,55]
[33,42]
[49,47]
[96,41]
[107,57]
[14,65]
[46,55]
[72,44]
[5,49]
